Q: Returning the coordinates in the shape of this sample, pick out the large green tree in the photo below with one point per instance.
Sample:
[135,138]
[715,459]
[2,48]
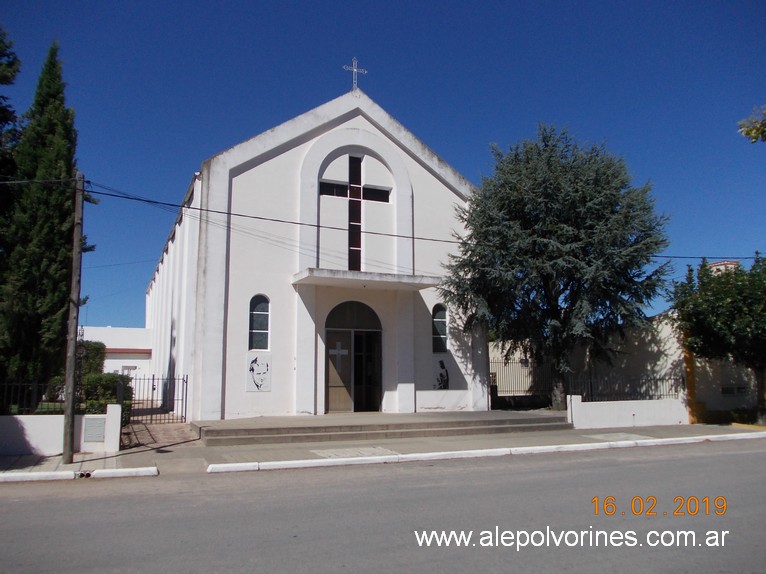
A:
[754,127]
[557,250]
[9,68]
[722,315]
[35,290]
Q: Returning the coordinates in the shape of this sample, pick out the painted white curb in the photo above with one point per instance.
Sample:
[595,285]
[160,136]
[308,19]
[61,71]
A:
[760,434]
[632,443]
[449,455]
[234,467]
[458,454]
[321,462]
[27,476]
[125,472]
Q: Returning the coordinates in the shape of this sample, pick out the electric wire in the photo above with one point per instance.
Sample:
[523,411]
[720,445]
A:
[201,213]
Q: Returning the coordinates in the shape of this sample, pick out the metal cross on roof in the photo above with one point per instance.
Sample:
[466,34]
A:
[355,70]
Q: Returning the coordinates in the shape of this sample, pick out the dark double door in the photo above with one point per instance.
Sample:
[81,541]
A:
[353,373]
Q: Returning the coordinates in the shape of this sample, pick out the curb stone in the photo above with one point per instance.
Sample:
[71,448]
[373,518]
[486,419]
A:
[450,455]
[33,476]
[71,474]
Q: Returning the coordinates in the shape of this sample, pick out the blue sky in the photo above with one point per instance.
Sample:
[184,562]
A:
[158,87]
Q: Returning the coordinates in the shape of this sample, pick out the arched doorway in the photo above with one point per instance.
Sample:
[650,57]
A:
[353,374]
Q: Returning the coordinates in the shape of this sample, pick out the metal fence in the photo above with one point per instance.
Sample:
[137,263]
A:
[158,400]
[148,399]
[626,389]
[523,378]
[24,398]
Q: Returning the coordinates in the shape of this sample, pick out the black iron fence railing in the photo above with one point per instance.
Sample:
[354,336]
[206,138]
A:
[149,399]
[627,389]
[158,400]
[25,398]
[523,378]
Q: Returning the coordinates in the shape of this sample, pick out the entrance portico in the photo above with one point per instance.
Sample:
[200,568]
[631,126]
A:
[353,373]
[357,345]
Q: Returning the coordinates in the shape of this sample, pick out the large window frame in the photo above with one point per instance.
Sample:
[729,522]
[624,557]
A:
[259,334]
[439,330]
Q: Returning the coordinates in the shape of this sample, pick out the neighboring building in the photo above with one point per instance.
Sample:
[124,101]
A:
[646,362]
[721,266]
[128,351]
[301,275]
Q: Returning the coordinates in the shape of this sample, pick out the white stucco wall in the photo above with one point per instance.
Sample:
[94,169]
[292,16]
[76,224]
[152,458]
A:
[128,350]
[615,414]
[44,434]
[198,301]
[657,351]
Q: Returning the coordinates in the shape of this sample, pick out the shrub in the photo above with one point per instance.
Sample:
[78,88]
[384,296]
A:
[102,389]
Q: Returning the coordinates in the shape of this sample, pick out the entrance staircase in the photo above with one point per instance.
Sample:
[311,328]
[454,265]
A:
[373,426]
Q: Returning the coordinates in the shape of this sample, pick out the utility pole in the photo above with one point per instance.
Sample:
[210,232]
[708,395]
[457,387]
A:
[74,315]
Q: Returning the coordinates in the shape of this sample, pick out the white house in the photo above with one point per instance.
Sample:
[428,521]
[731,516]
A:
[128,350]
[301,275]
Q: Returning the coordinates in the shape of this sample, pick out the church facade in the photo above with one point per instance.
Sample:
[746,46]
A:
[301,275]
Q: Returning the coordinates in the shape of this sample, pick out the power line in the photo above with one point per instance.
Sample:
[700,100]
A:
[169,206]
[122,195]
[165,204]
[120,264]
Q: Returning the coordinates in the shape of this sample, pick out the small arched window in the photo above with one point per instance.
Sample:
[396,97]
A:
[259,323]
[439,329]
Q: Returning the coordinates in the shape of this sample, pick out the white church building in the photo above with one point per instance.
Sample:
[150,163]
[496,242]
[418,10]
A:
[301,275]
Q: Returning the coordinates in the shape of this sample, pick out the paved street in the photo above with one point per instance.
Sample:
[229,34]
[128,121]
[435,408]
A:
[362,519]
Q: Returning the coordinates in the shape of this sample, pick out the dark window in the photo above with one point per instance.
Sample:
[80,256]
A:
[375,194]
[259,323]
[354,236]
[334,189]
[355,212]
[354,260]
[355,170]
[439,329]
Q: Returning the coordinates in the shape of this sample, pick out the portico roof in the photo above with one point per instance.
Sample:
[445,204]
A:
[364,280]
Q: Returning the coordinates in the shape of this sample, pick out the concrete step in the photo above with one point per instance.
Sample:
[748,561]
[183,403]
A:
[375,431]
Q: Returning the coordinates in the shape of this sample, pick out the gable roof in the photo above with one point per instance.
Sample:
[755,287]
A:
[335,112]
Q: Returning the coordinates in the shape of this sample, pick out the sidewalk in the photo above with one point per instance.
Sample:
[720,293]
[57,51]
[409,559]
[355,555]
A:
[174,449]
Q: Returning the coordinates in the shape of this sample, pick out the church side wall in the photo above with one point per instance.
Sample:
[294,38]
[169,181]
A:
[263,258]
[435,218]
[170,303]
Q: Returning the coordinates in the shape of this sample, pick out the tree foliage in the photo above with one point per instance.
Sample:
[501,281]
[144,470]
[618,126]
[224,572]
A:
[723,316]
[556,249]
[35,290]
[754,127]
[9,67]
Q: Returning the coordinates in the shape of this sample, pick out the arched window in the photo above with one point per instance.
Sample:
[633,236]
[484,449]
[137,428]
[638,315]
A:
[259,323]
[439,329]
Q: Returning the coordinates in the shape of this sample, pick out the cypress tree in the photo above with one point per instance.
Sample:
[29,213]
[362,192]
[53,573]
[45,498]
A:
[35,291]
[9,67]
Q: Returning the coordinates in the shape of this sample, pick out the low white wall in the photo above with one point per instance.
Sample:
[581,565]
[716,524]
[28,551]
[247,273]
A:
[609,414]
[44,434]
[443,401]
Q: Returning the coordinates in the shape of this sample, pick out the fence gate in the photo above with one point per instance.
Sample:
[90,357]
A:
[158,400]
